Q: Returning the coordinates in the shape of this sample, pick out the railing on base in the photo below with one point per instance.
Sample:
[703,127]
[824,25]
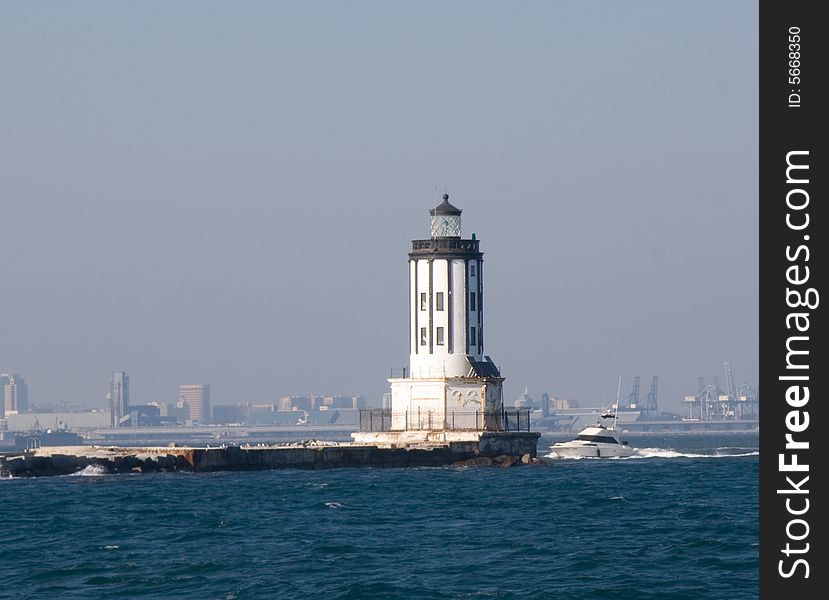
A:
[382,419]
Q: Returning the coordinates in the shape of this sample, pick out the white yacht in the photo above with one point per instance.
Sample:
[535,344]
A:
[596,441]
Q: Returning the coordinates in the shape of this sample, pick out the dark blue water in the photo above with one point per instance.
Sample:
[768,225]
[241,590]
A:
[678,521]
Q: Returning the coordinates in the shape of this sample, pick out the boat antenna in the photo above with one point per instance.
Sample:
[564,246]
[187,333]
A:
[616,412]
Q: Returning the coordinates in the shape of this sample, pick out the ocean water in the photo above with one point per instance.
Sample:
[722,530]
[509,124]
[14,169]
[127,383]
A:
[677,520]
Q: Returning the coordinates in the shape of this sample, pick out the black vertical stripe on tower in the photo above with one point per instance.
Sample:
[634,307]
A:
[416,309]
[477,317]
[450,337]
[431,337]
[466,306]
[480,271]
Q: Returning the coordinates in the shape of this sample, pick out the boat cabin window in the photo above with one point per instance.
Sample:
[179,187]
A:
[598,438]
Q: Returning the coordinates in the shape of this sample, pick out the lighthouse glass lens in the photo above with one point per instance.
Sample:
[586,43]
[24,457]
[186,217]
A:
[446,226]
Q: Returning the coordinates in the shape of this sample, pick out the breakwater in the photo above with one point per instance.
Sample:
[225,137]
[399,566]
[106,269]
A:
[497,449]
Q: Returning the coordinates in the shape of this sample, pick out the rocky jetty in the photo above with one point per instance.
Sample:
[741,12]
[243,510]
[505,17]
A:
[312,454]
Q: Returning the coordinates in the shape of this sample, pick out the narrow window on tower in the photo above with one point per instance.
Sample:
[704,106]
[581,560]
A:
[472,270]
[472,341]
[423,337]
[471,300]
[439,336]
[439,301]
[423,301]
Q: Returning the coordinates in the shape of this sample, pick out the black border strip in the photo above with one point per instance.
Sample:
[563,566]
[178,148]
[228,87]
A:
[792,100]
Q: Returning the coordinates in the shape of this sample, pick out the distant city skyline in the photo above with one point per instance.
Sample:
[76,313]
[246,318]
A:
[118,394]
[230,198]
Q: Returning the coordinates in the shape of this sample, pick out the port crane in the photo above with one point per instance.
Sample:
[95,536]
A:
[712,403]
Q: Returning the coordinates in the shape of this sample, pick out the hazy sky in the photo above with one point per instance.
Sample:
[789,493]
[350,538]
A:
[226,193]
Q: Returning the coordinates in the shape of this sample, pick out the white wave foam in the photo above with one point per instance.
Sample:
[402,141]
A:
[334,505]
[668,453]
[90,471]
[639,453]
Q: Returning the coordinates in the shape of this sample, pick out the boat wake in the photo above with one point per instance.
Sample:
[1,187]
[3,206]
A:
[640,453]
[668,453]
[90,471]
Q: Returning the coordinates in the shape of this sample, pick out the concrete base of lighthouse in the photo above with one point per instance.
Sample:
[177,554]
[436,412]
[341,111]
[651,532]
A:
[446,403]
[465,414]
[481,443]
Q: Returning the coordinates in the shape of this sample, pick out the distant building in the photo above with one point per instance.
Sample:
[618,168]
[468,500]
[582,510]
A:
[563,404]
[72,420]
[167,410]
[524,400]
[118,397]
[196,398]
[14,394]
[545,403]
[295,403]
[229,414]
[293,410]
[244,412]
[298,403]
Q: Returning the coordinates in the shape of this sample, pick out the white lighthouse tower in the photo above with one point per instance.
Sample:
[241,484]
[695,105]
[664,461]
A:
[452,391]
[451,385]
[446,313]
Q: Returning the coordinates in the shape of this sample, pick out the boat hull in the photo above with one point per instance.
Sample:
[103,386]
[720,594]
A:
[576,450]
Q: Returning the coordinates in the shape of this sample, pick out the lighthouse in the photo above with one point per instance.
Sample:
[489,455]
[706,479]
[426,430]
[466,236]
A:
[451,384]
[451,395]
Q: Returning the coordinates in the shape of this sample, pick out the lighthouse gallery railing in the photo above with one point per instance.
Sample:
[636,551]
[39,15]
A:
[381,419]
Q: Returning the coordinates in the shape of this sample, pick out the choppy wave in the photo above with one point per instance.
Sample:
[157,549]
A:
[408,534]
[91,471]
